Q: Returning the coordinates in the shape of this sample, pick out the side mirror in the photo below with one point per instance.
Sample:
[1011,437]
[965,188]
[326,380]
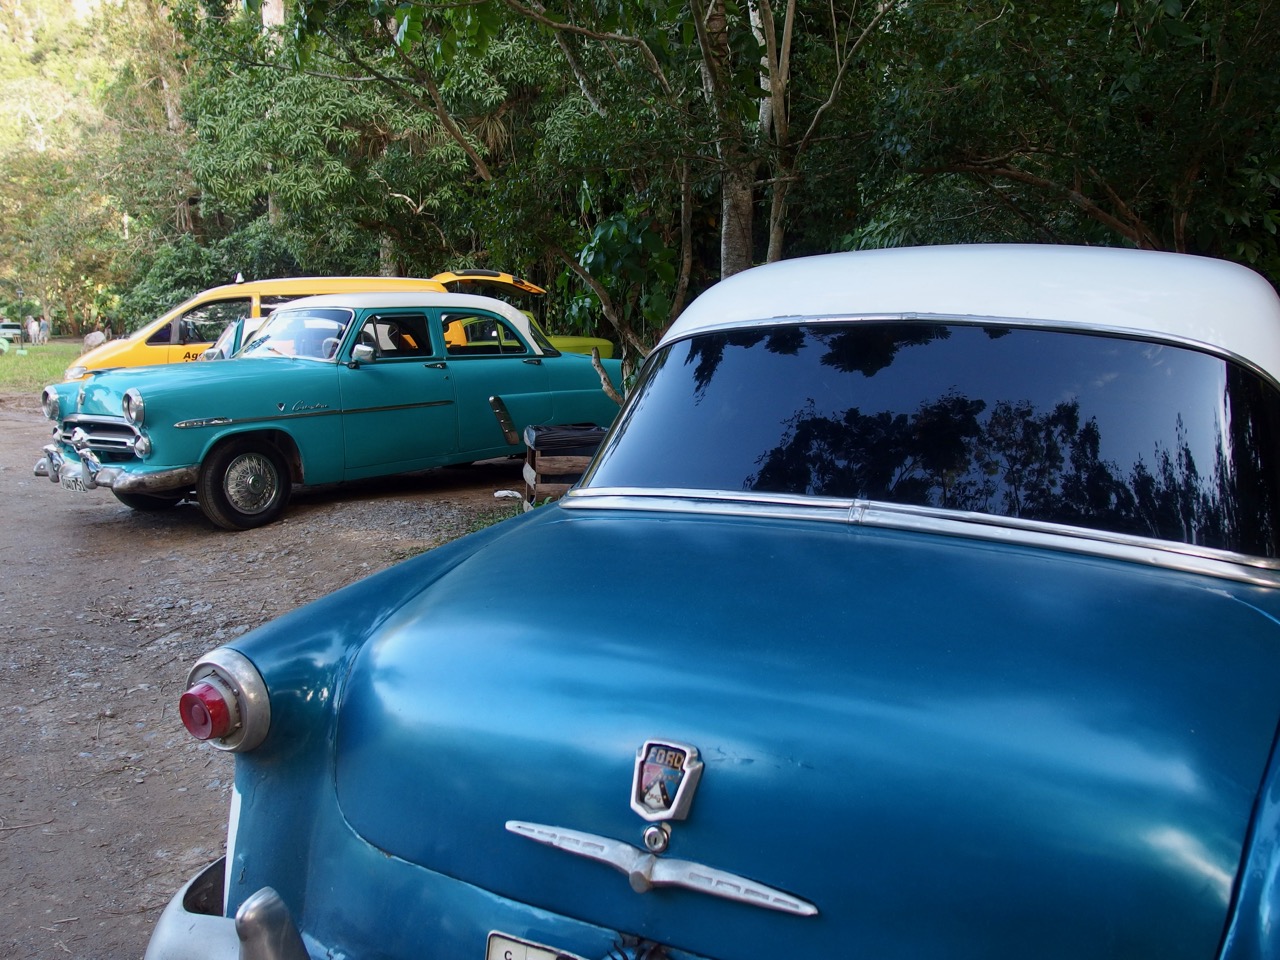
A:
[361,353]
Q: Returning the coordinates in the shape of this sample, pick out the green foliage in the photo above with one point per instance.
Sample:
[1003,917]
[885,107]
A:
[60,229]
[184,268]
[630,258]
[415,136]
[1137,122]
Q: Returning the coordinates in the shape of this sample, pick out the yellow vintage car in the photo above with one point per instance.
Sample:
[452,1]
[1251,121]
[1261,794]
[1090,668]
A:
[192,327]
[186,331]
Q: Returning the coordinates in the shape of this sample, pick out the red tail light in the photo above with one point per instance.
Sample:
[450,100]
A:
[208,711]
[226,702]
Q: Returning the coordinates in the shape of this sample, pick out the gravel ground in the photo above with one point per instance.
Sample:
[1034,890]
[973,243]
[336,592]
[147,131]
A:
[106,805]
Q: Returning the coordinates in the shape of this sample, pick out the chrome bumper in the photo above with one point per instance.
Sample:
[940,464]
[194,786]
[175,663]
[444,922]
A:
[192,926]
[91,474]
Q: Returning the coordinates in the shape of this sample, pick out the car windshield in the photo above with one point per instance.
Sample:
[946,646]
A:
[314,334]
[1115,434]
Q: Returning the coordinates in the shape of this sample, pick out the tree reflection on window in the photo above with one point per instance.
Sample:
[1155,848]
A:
[1093,431]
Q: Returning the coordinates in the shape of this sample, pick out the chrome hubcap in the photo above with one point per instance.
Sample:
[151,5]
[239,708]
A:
[251,483]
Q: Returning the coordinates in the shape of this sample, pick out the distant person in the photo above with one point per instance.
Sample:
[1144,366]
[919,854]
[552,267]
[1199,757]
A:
[33,330]
[44,330]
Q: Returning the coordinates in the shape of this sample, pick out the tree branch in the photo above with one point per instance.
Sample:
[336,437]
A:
[605,383]
[623,329]
[1136,233]
[436,106]
[538,15]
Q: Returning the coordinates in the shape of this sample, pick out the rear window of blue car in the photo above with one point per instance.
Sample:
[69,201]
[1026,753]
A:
[1124,435]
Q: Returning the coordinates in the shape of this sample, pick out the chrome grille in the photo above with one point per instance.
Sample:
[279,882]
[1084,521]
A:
[110,437]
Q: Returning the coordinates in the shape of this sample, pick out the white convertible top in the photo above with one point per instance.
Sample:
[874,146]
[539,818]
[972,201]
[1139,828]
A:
[424,299]
[1214,303]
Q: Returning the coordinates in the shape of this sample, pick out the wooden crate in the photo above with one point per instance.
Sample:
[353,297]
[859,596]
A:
[548,476]
[555,459]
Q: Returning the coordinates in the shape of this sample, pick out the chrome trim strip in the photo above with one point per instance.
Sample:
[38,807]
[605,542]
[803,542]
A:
[229,421]
[401,406]
[76,419]
[232,422]
[646,871]
[206,422]
[1186,558]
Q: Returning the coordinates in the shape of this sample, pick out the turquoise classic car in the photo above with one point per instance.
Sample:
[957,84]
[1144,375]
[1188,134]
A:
[332,388]
[943,621]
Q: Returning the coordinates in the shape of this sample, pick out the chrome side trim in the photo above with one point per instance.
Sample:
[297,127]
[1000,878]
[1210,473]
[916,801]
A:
[1186,558]
[646,871]
[505,423]
[400,406]
[206,422]
[230,421]
[239,422]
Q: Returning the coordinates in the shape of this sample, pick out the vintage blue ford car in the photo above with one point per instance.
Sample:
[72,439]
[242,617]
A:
[944,622]
[332,388]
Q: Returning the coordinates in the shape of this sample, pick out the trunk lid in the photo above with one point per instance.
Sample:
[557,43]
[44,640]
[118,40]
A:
[948,747]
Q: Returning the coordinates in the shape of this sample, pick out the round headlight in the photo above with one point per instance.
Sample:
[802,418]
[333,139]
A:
[49,403]
[133,407]
[75,373]
[141,446]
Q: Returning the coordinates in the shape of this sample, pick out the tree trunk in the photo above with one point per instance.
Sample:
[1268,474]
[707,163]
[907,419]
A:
[737,207]
[272,13]
[737,170]
[387,266]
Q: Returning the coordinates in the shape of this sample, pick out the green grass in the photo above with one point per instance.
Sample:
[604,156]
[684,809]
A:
[38,367]
[488,518]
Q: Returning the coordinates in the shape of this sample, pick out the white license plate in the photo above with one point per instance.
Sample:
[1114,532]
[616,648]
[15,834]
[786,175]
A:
[502,947]
[72,481]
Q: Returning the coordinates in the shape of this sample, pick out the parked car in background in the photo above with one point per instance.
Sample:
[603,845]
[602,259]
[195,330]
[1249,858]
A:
[11,330]
[186,331]
[943,620]
[242,330]
[194,330]
[492,281]
[332,388]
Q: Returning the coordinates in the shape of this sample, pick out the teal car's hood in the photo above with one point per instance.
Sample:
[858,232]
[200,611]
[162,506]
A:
[190,385]
[1031,748]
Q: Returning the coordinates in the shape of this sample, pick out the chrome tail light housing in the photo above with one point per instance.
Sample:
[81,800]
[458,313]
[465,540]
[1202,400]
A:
[226,702]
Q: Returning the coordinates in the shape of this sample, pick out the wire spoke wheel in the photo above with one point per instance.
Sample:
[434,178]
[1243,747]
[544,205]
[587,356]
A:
[250,483]
[244,484]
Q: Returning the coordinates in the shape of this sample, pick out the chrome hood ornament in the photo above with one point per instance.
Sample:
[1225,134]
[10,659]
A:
[666,776]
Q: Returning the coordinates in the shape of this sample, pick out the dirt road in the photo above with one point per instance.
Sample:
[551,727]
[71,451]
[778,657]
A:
[106,805]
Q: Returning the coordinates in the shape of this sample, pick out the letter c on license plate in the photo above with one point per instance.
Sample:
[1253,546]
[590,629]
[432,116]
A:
[502,947]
